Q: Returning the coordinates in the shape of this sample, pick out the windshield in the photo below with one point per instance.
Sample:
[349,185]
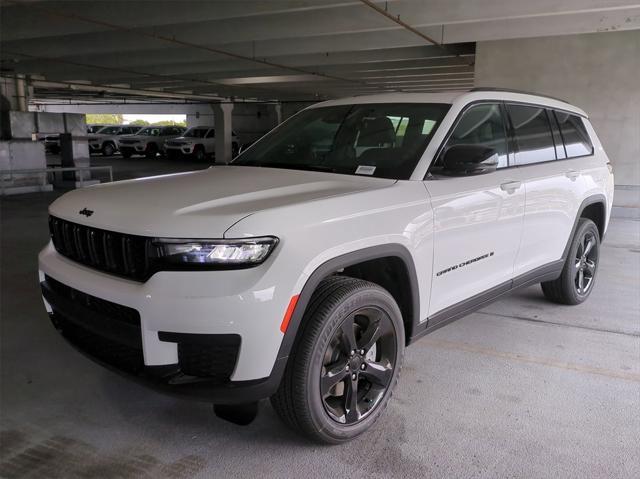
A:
[109,130]
[384,140]
[149,131]
[196,132]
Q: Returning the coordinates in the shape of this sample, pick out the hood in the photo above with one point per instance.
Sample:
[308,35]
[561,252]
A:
[201,204]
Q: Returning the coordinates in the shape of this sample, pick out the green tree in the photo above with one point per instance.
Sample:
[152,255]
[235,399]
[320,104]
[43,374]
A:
[104,118]
[170,123]
[139,122]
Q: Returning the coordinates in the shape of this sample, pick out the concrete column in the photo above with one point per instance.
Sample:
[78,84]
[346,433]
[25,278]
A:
[21,93]
[278,108]
[223,123]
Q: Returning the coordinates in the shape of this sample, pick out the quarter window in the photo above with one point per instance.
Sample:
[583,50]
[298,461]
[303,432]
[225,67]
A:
[574,133]
[480,125]
[532,134]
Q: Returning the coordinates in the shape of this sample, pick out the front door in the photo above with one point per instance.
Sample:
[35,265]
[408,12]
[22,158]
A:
[477,218]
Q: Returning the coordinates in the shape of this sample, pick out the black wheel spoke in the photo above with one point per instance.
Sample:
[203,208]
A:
[590,266]
[370,336]
[351,402]
[332,377]
[348,335]
[377,373]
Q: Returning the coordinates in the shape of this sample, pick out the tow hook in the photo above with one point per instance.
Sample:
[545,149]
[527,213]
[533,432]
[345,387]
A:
[241,414]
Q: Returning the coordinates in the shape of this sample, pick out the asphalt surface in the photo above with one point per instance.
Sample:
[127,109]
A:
[523,388]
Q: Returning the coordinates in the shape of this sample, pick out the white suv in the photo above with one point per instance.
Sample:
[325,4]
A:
[302,270]
[105,140]
[198,142]
[148,141]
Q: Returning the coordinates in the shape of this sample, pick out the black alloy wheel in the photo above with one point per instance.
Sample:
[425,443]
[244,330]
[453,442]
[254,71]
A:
[345,363]
[585,262]
[358,365]
[580,268]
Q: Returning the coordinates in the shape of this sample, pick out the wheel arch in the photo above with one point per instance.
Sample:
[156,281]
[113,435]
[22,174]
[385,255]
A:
[388,265]
[593,207]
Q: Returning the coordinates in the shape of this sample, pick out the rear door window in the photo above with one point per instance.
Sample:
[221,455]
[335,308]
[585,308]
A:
[574,133]
[532,134]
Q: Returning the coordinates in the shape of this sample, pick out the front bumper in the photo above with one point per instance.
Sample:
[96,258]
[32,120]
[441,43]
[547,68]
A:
[184,149]
[135,148]
[95,147]
[180,327]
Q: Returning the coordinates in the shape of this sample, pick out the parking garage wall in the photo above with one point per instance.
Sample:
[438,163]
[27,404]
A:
[599,72]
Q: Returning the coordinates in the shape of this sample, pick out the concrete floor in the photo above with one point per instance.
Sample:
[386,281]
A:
[523,388]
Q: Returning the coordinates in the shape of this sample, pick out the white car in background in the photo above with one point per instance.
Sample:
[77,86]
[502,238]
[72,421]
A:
[198,142]
[148,141]
[303,269]
[105,140]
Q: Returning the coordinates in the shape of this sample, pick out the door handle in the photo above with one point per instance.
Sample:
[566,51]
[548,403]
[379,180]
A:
[572,174]
[510,186]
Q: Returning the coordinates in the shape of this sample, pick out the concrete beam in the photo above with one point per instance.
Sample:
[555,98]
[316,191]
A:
[223,122]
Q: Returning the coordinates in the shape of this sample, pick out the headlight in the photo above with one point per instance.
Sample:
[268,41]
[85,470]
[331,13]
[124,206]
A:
[215,253]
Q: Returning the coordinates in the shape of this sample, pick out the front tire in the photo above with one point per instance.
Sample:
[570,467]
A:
[151,151]
[579,272]
[108,149]
[346,363]
[199,153]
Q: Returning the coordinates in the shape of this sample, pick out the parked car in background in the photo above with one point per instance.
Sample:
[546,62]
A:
[94,128]
[105,140]
[198,142]
[149,141]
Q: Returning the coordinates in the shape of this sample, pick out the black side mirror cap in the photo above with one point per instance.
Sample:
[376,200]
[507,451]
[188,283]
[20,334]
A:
[460,160]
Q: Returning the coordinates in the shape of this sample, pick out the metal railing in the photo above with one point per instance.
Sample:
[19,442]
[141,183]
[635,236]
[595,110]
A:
[45,174]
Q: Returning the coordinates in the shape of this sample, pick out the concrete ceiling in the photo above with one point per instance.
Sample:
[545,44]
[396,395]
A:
[278,49]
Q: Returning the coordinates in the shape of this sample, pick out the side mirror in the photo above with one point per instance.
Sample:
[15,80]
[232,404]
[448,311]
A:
[461,160]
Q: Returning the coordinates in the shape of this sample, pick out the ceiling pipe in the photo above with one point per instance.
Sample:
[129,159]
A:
[405,25]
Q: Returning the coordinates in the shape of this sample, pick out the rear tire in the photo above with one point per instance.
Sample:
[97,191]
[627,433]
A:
[346,362]
[579,272]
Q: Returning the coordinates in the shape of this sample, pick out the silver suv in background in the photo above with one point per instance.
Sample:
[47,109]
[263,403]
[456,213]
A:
[105,140]
[95,128]
[148,141]
[198,142]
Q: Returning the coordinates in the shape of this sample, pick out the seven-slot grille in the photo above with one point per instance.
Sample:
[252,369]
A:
[116,253]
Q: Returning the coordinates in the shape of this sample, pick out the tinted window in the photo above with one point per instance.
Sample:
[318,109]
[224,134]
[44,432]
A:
[480,125]
[533,134]
[384,140]
[574,133]
[211,133]
[557,137]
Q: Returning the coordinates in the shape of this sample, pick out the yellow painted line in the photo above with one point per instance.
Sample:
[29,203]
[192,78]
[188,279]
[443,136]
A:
[469,348]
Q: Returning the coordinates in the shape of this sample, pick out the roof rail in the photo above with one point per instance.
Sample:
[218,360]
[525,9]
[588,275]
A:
[511,90]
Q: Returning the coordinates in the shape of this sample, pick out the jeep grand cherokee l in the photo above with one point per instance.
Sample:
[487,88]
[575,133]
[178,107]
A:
[303,269]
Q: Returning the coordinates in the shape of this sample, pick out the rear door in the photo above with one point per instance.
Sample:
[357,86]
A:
[553,184]
[478,218]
